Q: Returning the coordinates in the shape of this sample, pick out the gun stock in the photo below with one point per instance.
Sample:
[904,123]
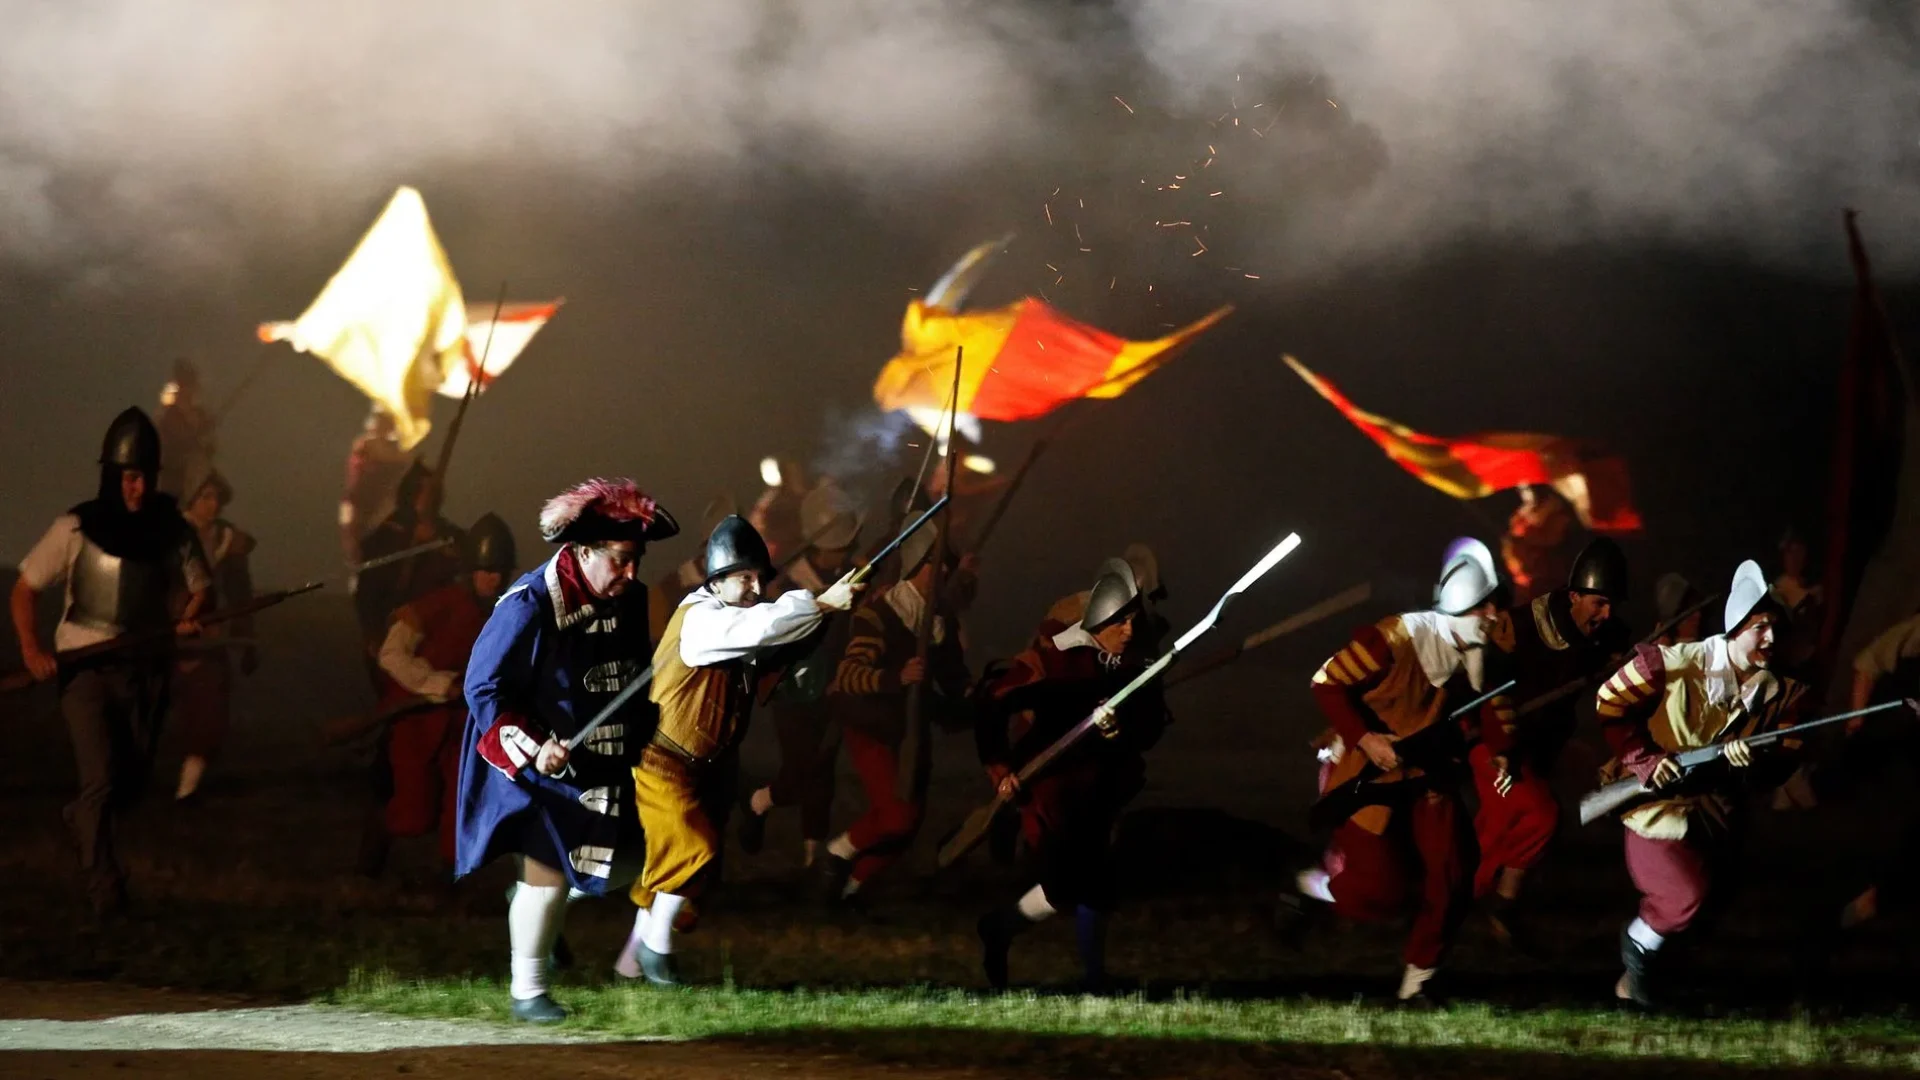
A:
[970,833]
[1595,805]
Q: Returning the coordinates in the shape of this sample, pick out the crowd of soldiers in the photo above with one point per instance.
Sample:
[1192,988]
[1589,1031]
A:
[509,725]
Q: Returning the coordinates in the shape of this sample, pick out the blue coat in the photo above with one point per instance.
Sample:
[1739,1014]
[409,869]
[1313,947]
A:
[549,657]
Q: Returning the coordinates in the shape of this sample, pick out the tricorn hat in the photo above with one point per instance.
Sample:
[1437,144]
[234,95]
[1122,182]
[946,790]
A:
[605,509]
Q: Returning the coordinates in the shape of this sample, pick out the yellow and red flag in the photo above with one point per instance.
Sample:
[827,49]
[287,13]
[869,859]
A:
[1474,466]
[1022,361]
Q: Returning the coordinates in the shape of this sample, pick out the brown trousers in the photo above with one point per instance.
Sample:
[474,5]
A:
[113,717]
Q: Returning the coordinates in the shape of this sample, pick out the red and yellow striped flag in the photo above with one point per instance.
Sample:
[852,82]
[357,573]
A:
[1022,361]
[1475,466]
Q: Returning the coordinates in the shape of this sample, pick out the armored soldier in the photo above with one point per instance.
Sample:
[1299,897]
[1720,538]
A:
[869,697]
[375,465]
[415,520]
[672,587]
[1671,698]
[1068,810]
[1556,639]
[703,684]
[561,644]
[130,565]
[1389,695]
[202,690]
[424,659]
[186,432]
[802,717]
[1673,594]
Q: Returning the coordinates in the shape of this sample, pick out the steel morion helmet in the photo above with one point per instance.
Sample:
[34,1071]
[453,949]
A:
[132,442]
[489,545]
[736,545]
[1601,567]
[1115,593]
[1467,579]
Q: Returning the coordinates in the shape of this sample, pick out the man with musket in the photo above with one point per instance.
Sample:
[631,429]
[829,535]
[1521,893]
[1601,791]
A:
[1395,758]
[415,520]
[130,565]
[559,645]
[1067,811]
[704,672]
[1559,637]
[202,688]
[869,697]
[424,658]
[1672,698]
[802,716]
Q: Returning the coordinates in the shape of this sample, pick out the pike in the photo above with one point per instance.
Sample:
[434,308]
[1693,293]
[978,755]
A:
[1325,609]
[16,680]
[641,680]
[1598,804]
[916,744]
[977,823]
[1343,801]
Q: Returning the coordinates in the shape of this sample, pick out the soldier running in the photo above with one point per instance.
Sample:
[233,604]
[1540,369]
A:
[202,690]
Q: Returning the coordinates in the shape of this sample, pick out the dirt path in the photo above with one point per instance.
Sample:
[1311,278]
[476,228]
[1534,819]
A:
[80,1030]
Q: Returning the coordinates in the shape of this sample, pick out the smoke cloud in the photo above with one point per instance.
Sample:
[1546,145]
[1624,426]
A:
[156,136]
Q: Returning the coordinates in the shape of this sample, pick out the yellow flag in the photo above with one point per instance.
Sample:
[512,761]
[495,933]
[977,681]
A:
[392,320]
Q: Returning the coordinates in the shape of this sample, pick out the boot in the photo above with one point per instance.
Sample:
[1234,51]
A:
[753,827]
[997,929]
[830,879]
[659,968]
[1636,984]
[538,1010]
[1503,919]
[1090,938]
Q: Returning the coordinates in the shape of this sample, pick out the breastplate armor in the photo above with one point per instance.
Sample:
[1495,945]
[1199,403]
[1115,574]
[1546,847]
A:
[119,595]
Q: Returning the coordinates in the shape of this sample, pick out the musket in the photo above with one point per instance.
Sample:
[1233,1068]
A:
[15,680]
[401,555]
[345,728]
[977,823]
[1598,804]
[1325,609]
[1340,802]
[641,680]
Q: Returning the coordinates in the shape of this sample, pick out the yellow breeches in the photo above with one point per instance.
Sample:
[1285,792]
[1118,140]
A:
[680,835]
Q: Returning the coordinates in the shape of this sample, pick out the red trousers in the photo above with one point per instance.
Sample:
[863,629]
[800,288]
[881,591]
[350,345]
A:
[1674,878]
[423,754]
[1513,829]
[1420,862]
[890,823]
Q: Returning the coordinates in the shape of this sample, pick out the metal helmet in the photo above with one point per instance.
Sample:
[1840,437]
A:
[736,545]
[827,517]
[1115,592]
[1601,567]
[489,545]
[1146,570]
[1745,596]
[132,442]
[915,550]
[1467,578]
[1671,594]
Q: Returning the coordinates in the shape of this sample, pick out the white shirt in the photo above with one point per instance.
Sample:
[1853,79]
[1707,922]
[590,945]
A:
[713,632]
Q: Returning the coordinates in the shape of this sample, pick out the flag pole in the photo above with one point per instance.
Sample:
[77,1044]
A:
[474,378]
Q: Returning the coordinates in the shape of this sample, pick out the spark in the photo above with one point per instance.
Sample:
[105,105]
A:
[1171,224]
[1088,250]
[1202,251]
[1255,277]
[1124,105]
[1056,191]
[1257,133]
[1149,288]
[1111,282]
[1236,121]
[1211,150]
[1083,204]
[1330,102]
[912,288]
[1222,116]
[1060,279]
[1076,233]
[1259,104]
[1173,187]
[1206,163]
[1042,344]
[1049,212]
[1211,194]
[1051,267]
[1177,176]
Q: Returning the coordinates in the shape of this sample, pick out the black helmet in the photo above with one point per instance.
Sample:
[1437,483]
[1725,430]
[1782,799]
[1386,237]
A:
[489,545]
[1601,567]
[132,442]
[1114,594]
[736,545]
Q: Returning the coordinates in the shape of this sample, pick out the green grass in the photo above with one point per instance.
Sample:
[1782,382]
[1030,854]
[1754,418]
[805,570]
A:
[1476,1030]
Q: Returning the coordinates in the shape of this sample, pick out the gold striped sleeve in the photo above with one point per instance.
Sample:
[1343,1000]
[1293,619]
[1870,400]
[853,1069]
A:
[1628,687]
[860,671]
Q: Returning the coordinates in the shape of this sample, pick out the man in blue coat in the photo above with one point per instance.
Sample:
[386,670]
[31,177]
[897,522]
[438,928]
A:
[561,643]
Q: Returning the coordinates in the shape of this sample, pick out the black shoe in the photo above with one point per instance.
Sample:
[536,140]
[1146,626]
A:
[1636,984]
[1504,921]
[659,968]
[995,942]
[1295,918]
[753,827]
[538,1010]
[830,879]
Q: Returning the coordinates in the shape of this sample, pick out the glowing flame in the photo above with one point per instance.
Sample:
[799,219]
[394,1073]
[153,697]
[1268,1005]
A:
[770,471]
[979,463]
